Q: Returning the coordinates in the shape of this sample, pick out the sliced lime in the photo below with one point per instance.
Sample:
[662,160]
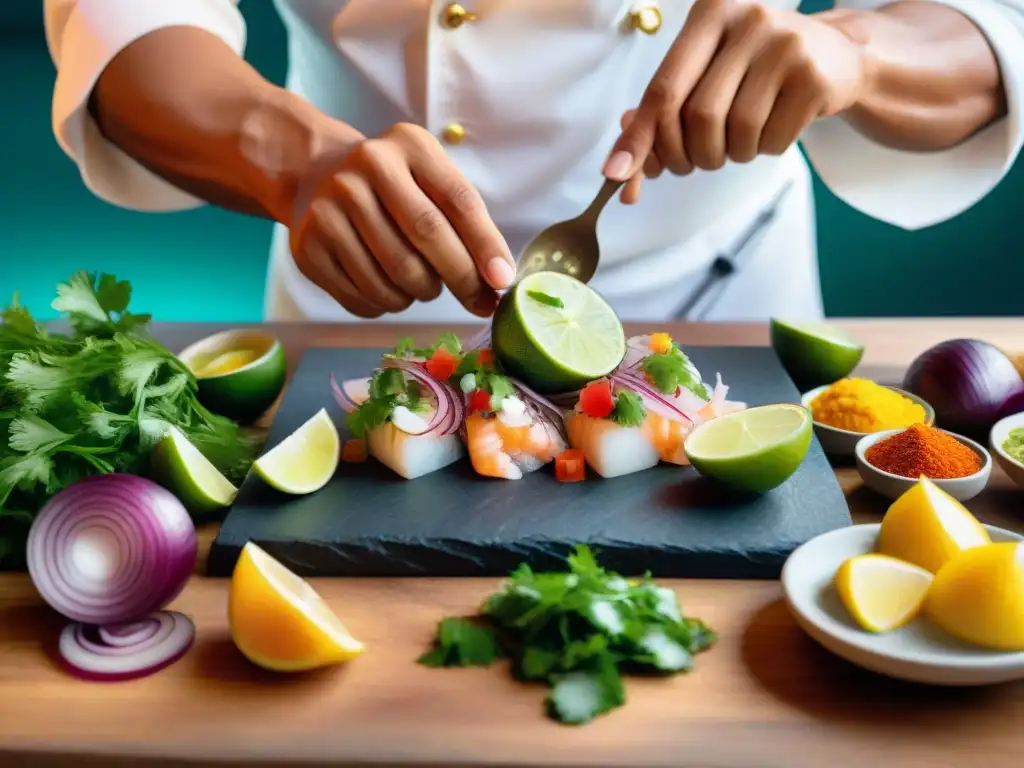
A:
[754,450]
[184,471]
[556,348]
[305,460]
[814,354]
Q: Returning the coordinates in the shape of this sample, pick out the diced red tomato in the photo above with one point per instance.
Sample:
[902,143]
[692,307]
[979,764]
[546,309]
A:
[660,343]
[480,400]
[442,365]
[354,451]
[596,399]
[570,466]
[485,356]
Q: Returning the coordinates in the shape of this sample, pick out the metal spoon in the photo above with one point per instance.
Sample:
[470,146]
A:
[569,247]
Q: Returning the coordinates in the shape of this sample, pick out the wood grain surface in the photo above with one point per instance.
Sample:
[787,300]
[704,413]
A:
[766,695]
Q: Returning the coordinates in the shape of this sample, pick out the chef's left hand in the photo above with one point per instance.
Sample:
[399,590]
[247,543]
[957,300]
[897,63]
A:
[742,79]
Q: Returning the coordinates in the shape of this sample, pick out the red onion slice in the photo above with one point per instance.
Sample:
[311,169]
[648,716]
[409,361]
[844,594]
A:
[450,412]
[538,400]
[130,633]
[479,339]
[111,548]
[350,394]
[637,348]
[88,655]
[652,398]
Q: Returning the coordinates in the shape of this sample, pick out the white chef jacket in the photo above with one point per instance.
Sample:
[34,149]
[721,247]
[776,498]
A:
[538,87]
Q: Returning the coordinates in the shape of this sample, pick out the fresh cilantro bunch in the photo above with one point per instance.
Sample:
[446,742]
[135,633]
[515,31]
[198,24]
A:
[92,402]
[577,631]
[672,370]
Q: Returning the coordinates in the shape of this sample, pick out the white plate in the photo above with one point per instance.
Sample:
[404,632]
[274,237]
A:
[919,652]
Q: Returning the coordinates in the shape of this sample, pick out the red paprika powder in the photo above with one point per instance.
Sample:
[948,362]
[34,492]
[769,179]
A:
[922,450]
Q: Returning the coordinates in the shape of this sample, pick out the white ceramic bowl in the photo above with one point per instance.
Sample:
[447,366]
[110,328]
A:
[919,652]
[893,486]
[1000,431]
[843,442]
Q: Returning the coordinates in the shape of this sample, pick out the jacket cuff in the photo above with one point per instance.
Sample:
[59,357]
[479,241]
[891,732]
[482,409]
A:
[913,190]
[94,33]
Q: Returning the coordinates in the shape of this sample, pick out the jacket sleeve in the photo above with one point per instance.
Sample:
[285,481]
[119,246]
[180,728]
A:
[83,36]
[917,189]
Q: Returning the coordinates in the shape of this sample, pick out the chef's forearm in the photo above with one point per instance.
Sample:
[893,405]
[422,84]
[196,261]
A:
[187,107]
[932,80]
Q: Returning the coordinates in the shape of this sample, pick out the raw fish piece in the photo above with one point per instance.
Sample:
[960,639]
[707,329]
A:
[609,449]
[412,456]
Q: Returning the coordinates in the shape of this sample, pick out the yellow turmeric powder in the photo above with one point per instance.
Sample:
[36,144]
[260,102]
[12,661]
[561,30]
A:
[861,405]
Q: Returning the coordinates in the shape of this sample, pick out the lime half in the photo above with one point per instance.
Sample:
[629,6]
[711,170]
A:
[184,471]
[556,334]
[754,450]
[305,460]
[814,354]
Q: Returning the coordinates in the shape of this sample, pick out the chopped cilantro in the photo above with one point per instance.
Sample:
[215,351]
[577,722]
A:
[577,631]
[543,298]
[487,376]
[462,643]
[406,347]
[389,387]
[671,370]
[92,402]
[629,410]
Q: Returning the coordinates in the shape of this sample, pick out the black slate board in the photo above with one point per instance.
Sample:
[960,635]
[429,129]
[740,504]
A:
[369,522]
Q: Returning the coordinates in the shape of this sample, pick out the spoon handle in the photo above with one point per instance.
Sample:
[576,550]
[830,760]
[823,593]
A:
[606,193]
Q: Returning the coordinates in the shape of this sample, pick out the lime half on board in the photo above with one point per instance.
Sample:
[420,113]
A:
[754,450]
[556,334]
[183,470]
[814,354]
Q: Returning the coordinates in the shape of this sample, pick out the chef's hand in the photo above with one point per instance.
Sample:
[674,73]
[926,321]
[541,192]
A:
[742,79]
[390,221]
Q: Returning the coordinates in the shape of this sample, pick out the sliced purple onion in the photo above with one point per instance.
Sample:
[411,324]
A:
[479,339]
[540,401]
[111,548]
[565,400]
[652,398]
[450,411]
[156,642]
[350,394]
[637,348]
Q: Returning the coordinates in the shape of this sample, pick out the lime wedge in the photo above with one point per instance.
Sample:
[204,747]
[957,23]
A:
[814,354]
[754,450]
[184,471]
[556,348]
[227,363]
[305,460]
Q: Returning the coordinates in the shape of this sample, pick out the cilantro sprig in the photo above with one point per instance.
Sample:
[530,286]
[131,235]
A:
[94,401]
[406,347]
[629,410]
[577,631]
[547,299]
[671,370]
[389,387]
[487,377]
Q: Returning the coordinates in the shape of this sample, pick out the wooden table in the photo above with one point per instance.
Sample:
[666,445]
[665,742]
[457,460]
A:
[765,696]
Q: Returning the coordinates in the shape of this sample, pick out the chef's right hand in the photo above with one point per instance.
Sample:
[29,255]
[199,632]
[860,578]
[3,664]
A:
[392,220]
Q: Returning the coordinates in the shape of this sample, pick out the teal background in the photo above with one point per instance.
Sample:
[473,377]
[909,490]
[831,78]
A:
[210,265]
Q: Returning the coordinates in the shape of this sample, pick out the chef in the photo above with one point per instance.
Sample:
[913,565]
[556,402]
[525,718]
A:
[419,145]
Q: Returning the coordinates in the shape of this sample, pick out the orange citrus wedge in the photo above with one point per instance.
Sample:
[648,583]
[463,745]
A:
[279,622]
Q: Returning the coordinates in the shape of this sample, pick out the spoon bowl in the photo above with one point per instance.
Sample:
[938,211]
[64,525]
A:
[569,247]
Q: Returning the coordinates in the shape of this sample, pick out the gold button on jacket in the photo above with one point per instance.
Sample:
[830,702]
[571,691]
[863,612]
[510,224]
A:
[454,15]
[646,19]
[453,133]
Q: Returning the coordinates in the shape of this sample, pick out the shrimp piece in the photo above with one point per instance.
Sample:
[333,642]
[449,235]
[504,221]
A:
[667,436]
[499,450]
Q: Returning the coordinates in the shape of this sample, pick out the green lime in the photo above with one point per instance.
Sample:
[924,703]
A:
[556,334]
[184,471]
[754,450]
[814,354]
[240,373]
[305,460]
